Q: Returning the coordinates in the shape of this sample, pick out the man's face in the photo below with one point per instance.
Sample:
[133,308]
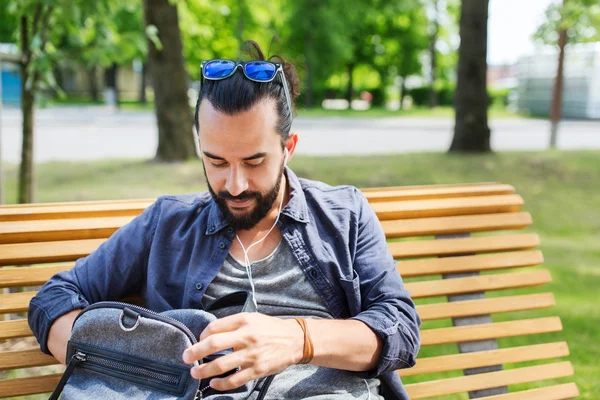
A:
[243,160]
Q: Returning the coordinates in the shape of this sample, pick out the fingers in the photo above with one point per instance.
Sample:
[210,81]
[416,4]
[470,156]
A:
[212,344]
[226,324]
[220,365]
[234,381]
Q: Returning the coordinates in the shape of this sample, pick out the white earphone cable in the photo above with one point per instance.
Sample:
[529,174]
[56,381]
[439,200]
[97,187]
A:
[246,251]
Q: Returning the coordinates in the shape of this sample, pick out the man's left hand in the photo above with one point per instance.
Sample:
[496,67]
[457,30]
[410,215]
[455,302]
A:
[262,345]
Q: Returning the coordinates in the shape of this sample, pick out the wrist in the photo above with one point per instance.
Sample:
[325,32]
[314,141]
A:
[308,351]
[297,345]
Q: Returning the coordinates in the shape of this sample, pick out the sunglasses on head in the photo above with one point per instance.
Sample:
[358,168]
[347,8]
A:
[257,71]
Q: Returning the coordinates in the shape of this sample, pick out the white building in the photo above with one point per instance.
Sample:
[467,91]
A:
[581,96]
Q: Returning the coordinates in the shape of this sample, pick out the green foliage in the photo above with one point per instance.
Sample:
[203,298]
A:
[445,95]
[9,24]
[114,34]
[580,18]
[387,38]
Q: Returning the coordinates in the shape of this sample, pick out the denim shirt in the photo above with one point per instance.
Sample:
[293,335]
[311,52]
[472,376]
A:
[174,249]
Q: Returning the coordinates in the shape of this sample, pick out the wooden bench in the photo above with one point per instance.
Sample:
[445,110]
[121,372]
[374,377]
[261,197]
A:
[429,229]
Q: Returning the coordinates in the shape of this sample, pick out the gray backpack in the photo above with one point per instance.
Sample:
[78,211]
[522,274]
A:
[123,351]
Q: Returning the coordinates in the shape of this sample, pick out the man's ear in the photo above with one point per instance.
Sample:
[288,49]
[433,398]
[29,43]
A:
[290,146]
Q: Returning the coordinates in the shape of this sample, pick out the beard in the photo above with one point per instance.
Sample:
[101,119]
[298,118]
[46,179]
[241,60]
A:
[248,220]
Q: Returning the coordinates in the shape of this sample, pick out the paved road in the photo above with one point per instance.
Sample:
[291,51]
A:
[98,132]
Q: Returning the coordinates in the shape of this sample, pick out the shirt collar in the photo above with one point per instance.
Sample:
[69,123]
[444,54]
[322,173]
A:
[296,208]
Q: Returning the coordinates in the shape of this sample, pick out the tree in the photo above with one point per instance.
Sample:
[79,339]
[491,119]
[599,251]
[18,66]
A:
[39,24]
[471,131]
[170,82]
[316,33]
[569,22]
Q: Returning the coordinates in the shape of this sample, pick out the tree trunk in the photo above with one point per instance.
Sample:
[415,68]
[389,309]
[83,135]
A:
[433,101]
[93,81]
[111,75]
[143,99]
[26,170]
[27,103]
[557,92]
[350,88]
[471,131]
[173,113]
[402,92]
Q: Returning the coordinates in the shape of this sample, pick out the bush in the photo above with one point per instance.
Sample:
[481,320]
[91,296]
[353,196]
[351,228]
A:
[499,97]
[420,95]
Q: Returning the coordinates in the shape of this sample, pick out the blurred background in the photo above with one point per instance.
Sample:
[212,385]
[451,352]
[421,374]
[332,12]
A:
[97,101]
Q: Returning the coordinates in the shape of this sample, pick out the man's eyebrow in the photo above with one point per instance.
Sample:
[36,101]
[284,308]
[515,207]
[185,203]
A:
[252,157]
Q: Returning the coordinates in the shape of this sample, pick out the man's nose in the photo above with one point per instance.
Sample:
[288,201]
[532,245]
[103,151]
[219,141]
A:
[236,182]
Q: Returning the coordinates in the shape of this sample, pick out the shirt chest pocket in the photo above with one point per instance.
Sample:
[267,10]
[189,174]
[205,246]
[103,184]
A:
[351,288]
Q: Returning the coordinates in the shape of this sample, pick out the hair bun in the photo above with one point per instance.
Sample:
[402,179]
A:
[256,53]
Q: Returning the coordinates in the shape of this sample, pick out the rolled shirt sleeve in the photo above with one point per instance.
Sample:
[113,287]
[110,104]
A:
[386,305]
[112,271]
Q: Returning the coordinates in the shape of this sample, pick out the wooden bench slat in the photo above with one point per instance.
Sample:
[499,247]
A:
[481,262]
[437,192]
[24,359]
[71,250]
[19,328]
[19,302]
[509,203]
[26,386]
[52,230]
[448,247]
[468,308]
[482,283]
[73,211]
[14,329]
[433,186]
[556,392]
[486,358]
[29,276]
[44,230]
[15,302]
[46,252]
[385,210]
[495,330]
[455,224]
[74,203]
[489,380]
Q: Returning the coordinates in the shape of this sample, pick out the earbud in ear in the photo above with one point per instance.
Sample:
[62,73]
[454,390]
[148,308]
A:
[287,154]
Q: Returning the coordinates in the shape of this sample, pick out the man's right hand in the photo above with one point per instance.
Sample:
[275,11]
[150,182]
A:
[59,335]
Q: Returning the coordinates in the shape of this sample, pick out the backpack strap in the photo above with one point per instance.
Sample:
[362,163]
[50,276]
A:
[75,360]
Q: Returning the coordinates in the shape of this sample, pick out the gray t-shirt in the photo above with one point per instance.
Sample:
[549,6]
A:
[282,290]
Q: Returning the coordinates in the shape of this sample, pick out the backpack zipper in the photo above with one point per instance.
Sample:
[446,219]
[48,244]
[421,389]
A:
[126,368]
[141,310]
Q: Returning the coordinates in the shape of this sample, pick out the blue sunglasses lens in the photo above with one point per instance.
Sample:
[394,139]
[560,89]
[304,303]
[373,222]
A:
[260,70]
[218,69]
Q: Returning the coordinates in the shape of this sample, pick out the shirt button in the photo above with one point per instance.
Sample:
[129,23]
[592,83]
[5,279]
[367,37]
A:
[230,230]
[221,245]
[313,273]
[199,286]
[212,229]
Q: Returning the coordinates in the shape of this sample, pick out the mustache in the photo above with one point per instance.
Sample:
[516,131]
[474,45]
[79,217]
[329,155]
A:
[247,195]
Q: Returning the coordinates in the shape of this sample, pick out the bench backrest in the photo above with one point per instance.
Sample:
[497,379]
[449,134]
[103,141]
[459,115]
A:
[454,244]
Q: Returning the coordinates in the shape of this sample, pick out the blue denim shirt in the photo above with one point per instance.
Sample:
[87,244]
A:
[174,249]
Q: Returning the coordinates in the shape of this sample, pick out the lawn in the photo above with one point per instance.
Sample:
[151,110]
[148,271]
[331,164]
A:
[496,112]
[560,190]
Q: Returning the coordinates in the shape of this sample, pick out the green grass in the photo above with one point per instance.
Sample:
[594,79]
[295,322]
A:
[560,190]
[496,112]
[423,112]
